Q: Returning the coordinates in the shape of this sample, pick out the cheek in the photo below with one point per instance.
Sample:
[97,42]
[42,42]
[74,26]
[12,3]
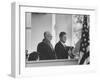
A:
[65,39]
[50,38]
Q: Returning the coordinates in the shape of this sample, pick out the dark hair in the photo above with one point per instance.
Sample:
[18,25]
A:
[33,56]
[61,34]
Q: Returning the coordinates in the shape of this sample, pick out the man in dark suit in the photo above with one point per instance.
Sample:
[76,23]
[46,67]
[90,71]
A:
[45,48]
[61,49]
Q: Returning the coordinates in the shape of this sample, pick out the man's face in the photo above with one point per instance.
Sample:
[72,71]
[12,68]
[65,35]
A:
[49,36]
[63,38]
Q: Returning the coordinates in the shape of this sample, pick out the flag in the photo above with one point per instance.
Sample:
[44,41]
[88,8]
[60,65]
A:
[85,39]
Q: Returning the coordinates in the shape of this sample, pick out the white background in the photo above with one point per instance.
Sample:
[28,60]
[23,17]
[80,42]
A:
[5,40]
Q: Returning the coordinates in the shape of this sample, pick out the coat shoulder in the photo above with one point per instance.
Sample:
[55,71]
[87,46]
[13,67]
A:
[41,44]
[58,44]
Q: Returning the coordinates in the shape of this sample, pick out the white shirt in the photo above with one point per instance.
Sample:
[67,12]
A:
[63,44]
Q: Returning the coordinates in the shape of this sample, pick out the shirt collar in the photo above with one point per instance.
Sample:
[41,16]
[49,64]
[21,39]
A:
[63,44]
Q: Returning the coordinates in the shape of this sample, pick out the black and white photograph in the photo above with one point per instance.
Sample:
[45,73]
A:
[56,38]
[53,40]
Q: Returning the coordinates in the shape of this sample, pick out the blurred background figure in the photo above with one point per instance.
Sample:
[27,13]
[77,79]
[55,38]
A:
[26,54]
[33,56]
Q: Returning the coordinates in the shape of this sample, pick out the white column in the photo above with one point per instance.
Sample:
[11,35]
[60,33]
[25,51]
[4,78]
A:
[53,29]
[72,31]
[28,32]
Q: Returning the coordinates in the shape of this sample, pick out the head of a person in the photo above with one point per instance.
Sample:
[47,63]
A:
[63,37]
[48,35]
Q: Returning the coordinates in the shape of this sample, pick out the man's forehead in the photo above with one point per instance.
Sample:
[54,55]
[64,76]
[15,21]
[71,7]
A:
[48,33]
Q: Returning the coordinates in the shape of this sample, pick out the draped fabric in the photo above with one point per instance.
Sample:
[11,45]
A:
[85,39]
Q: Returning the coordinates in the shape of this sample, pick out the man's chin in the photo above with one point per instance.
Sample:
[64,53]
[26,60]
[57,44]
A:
[64,42]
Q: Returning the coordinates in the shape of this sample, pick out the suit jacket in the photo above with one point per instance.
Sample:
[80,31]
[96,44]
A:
[61,51]
[46,52]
